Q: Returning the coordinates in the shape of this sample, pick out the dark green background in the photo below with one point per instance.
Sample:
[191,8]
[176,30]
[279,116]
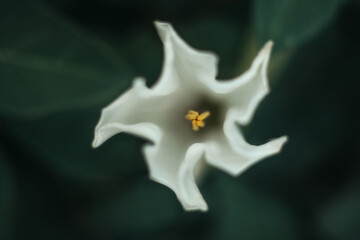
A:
[62,61]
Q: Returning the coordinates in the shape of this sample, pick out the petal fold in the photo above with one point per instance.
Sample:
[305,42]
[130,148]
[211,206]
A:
[191,197]
[191,65]
[231,153]
[246,91]
[129,113]
[172,163]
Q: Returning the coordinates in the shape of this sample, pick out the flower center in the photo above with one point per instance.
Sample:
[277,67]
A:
[197,119]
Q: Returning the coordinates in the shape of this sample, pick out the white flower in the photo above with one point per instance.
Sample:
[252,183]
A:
[187,82]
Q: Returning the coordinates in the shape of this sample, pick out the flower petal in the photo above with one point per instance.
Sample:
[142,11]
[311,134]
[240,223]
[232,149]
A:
[190,194]
[231,153]
[245,92]
[169,165]
[169,79]
[190,64]
[130,113]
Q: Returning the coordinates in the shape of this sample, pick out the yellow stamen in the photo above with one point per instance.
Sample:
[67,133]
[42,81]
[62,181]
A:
[197,119]
[200,123]
[195,125]
[204,115]
[192,115]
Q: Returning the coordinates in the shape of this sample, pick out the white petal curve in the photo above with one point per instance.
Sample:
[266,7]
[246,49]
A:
[191,197]
[172,162]
[168,80]
[190,64]
[231,153]
[129,113]
[246,91]
[148,131]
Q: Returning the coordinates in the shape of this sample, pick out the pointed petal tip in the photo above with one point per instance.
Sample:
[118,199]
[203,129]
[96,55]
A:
[201,207]
[279,143]
[268,46]
[197,205]
[164,29]
[161,25]
[270,43]
[96,143]
[284,139]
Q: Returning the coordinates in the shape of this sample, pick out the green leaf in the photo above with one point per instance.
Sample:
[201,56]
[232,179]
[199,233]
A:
[47,64]
[62,143]
[146,207]
[339,218]
[44,210]
[245,214]
[289,23]
[310,106]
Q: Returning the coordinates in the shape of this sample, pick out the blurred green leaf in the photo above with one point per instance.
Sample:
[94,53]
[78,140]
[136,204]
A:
[244,214]
[44,210]
[339,218]
[145,208]
[47,64]
[311,103]
[62,143]
[289,23]
[143,50]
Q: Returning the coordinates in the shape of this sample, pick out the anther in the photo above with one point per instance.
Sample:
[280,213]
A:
[197,119]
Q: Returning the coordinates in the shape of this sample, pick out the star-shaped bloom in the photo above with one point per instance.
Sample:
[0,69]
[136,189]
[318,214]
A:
[189,115]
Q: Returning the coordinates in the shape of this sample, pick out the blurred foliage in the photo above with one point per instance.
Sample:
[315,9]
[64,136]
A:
[339,219]
[289,22]
[50,64]
[61,61]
